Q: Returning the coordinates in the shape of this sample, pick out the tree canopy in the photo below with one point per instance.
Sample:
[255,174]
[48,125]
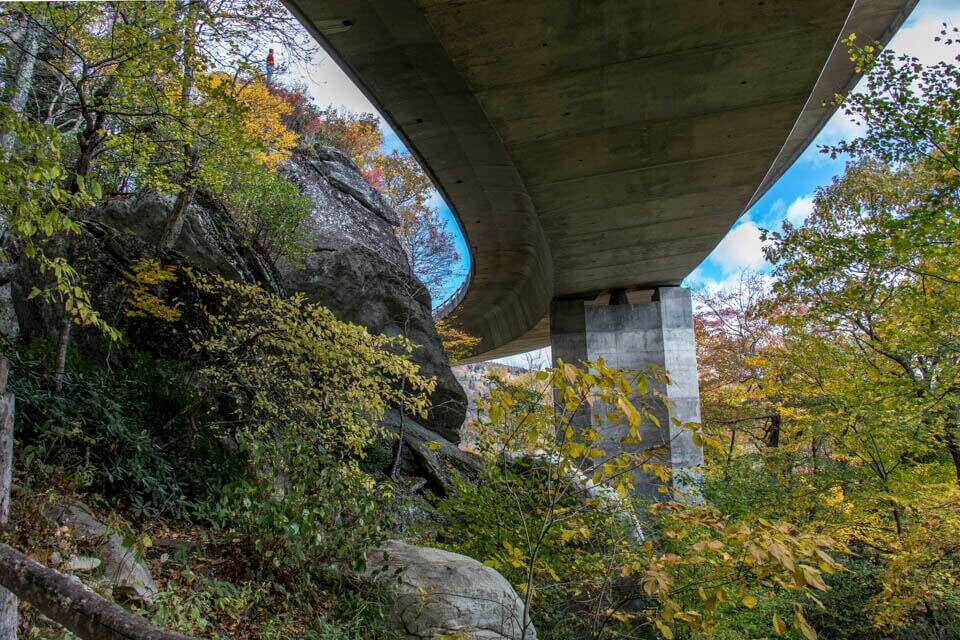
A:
[833,381]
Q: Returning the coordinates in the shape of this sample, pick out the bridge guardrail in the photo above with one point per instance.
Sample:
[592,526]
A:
[444,308]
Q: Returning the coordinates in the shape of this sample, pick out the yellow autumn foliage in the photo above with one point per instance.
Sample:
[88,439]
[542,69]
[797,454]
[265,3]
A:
[145,277]
[262,120]
[456,342]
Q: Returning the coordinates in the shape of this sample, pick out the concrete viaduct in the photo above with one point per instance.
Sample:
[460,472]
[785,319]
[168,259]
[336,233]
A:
[595,151]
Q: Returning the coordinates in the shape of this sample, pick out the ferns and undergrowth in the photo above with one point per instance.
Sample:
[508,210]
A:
[195,490]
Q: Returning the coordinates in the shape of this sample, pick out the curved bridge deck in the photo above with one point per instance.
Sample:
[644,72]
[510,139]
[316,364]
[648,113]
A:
[595,145]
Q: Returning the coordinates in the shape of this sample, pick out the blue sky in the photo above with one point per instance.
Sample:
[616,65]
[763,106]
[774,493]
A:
[330,86]
[391,141]
[791,197]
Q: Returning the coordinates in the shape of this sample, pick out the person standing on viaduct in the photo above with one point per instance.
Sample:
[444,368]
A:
[270,65]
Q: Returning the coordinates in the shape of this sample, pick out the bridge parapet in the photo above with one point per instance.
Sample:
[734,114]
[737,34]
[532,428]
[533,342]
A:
[446,307]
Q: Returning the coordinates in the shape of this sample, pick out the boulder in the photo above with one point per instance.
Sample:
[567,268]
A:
[209,239]
[342,174]
[440,594]
[118,567]
[115,234]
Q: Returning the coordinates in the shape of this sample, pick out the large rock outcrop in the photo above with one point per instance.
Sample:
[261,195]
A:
[357,268]
[209,239]
[355,264]
[427,455]
[440,594]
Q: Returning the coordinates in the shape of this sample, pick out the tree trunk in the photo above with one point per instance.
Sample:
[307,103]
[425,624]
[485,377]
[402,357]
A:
[932,619]
[8,601]
[174,222]
[898,521]
[63,343]
[773,430]
[398,456]
[13,38]
[87,142]
[814,452]
[730,449]
[191,150]
[950,438]
[22,81]
[67,602]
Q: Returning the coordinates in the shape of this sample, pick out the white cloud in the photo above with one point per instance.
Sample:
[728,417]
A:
[839,127]
[799,210]
[701,283]
[777,209]
[328,84]
[695,279]
[740,249]
[324,79]
[536,359]
[916,37]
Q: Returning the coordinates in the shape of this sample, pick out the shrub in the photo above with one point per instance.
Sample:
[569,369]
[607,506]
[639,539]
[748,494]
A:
[298,381]
[313,527]
[208,607]
[120,435]
[555,512]
[269,208]
[301,394]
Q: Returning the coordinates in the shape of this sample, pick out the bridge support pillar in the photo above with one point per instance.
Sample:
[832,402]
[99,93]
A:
[636,336]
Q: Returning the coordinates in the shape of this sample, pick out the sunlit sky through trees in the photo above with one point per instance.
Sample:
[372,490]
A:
[790,198]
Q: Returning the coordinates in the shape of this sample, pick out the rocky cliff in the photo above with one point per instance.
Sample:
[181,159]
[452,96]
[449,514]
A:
[355,265]
[357,268]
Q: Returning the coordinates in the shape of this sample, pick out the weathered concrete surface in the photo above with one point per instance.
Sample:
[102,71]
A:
[637,337]
[587,146]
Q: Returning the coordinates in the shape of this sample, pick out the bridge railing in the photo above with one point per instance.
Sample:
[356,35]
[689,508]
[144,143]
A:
[443,309]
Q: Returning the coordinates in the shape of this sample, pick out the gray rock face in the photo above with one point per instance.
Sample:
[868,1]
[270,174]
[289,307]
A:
[357,268]
[209,239]
[120,231]
[442,594]
[119,567]
[9,323]
[342,174]
[428,455]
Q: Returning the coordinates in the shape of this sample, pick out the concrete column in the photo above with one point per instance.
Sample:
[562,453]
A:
[636,336]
